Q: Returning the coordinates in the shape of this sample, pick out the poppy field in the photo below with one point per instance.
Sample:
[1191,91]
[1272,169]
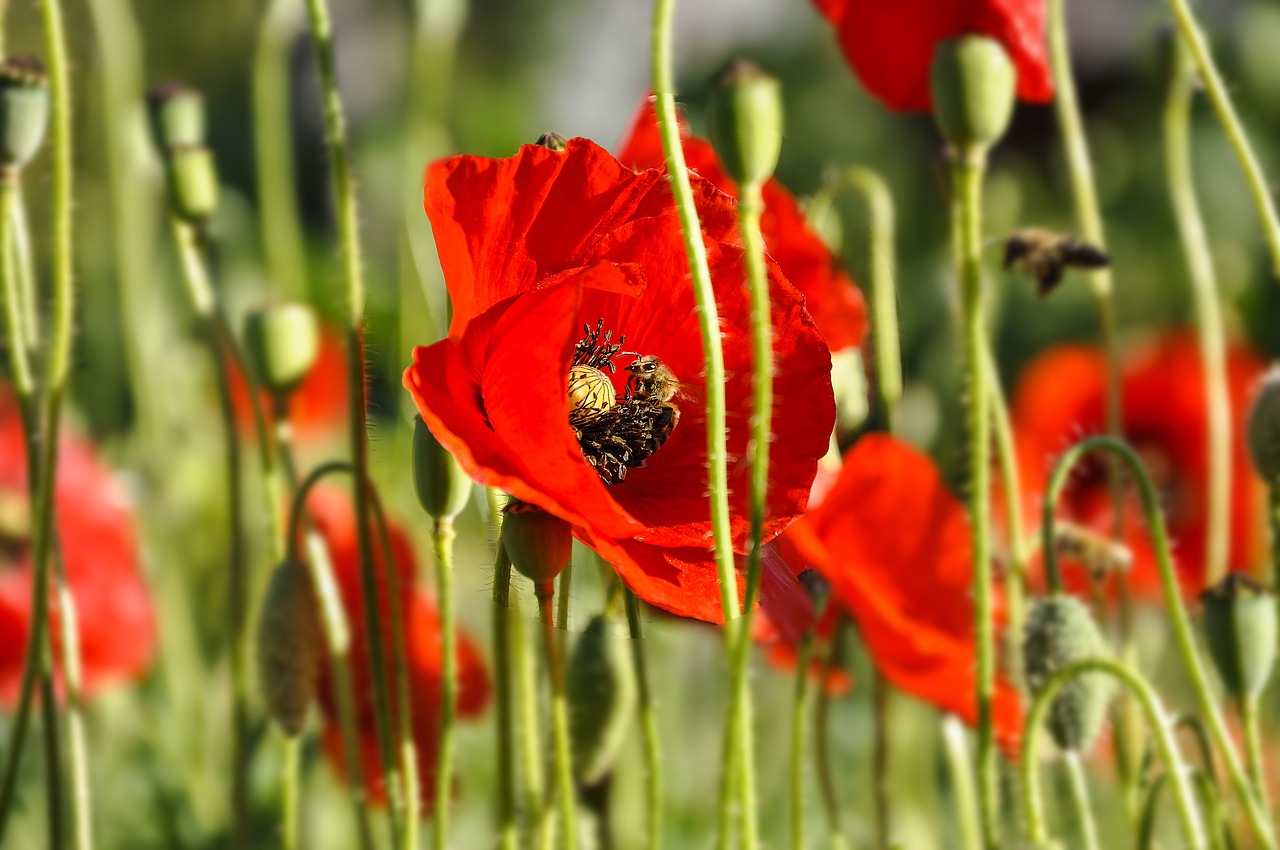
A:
[698,423]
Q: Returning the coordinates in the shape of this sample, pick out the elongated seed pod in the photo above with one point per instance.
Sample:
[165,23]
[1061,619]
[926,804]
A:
[289,646]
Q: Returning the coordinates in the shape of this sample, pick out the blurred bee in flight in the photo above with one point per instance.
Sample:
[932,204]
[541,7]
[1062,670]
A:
[1046,255]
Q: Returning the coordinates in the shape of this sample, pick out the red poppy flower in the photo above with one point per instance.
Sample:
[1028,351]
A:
[895,546]
[890,45]
[831,296]
[317,408]
[99,552]
[540,250]
[334,518]
[1061,397]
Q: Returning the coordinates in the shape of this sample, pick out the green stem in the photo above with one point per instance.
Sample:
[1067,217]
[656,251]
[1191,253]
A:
[958,767]
[559,717]
[1015,573]
[966,216]
[540,824]
[1208,312]
[504,714]
[822,747]
[799,712]
[1253,749]
[442,537]
[1173,603]
[1081,811]
[20,371]
[290,790]
[648,726]
[77,750]
[1032,802]
[53,756]
[1221,100]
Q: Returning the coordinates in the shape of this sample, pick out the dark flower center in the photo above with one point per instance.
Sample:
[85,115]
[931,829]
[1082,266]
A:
[617,434]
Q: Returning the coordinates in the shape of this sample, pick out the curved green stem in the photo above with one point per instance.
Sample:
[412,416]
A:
[1032,802]
[648,725]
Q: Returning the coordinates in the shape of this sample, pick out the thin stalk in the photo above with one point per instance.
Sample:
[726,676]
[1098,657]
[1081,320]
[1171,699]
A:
[1081,811]
[1221,100]
[822,747]
[1175,768]
[442,537]
[559,717]
[880,761]
[1208,312]
[648,726]
[504,715]
[799,712]
[966,217]
[1015,573]
[1253,749]
[958,767]
[290,790]
[77,750]
[540,824]
[20,371]
[54,793]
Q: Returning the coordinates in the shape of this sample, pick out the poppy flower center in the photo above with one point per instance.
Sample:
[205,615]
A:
[618,434]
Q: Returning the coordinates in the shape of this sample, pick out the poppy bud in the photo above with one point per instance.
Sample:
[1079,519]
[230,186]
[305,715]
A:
[443,488]
[538,543]
[974,85]
[193,182]
[601,688]
[177,116]
[24,110]
[282,341]
[1060,630]
[1240,628]
[1264,428]
[289,646]
[552,141]
[746,122]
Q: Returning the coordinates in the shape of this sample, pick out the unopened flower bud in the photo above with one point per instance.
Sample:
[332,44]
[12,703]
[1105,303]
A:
[1240,629]
[1059,631]
[193,183]
[177,116]
[289,646]
[746,122]
[601,689]
[282,341]
[24,110]
[1264,428]
[443,488]
[538,543]
[552,141]
[974,86]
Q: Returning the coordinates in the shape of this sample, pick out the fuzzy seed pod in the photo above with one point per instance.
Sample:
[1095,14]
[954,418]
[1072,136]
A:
[746,122]
[974,88]
[282,341]
[290,646]
[1240,629]
[538,543]
[443,488]
[177,116]
[552,142]
[1060,630]
[24,110]
[1264,428]
[193,183]
[601,689]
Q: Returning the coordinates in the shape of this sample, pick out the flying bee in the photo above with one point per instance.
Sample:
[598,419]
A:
[1098,554]
[591,392]
[1046,255]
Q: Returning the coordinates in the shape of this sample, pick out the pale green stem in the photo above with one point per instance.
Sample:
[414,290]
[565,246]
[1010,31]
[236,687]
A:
[1221,100]
[648,726]
[442,537]
[54,791]
[20,372]
[1081,811]
[77,749]
[1208,312]
[504,715]
[1032,802]
[959,769]
[799,710]
[1253,749]
[540,823]
[562,758]
[290,790]
[822,742]
[1015,574]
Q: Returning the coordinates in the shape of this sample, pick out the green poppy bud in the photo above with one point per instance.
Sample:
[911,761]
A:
[443,488]
[552,141]
[538,543]
[1060,630]
[24,110]
[282,341]
[746,122]
[193,183]
[974,87]
[1240,629]
[1264,428]
[177,116]
[600,686]
[290,645]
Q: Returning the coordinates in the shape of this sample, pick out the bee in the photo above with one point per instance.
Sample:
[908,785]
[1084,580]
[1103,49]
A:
[654,385]
[591,393]
[1046,255]
[1098,554]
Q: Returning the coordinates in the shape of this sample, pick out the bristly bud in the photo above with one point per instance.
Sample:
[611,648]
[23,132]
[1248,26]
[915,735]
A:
[289,646]
[1059,631]
[539,544]
[282,341]
[443,488]
[552,141]
[601,689]
[193,183]
[1264,428]
[746,122]
[177,116]
[24,110]
[974,87]
[1240,629]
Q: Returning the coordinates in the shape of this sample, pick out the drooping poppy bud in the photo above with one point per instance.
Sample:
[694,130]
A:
[177,116]
[538,543]
[1264,428]
[746,122]
[290,646]
[1240,629]
[24,110]
[601,688]
[974,86]
[282,341]
[1060,630]
[193,183]
[443,488]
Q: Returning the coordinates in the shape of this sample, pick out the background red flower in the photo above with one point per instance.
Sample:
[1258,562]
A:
[318,407]
[94,520]
[890,43]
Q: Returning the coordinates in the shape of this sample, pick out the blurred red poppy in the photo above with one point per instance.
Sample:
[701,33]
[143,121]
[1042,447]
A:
[540,250]
[317,408]
[890,45]
[334,518]
[894,545]
[1061,397]
[99,551]
[831,296]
